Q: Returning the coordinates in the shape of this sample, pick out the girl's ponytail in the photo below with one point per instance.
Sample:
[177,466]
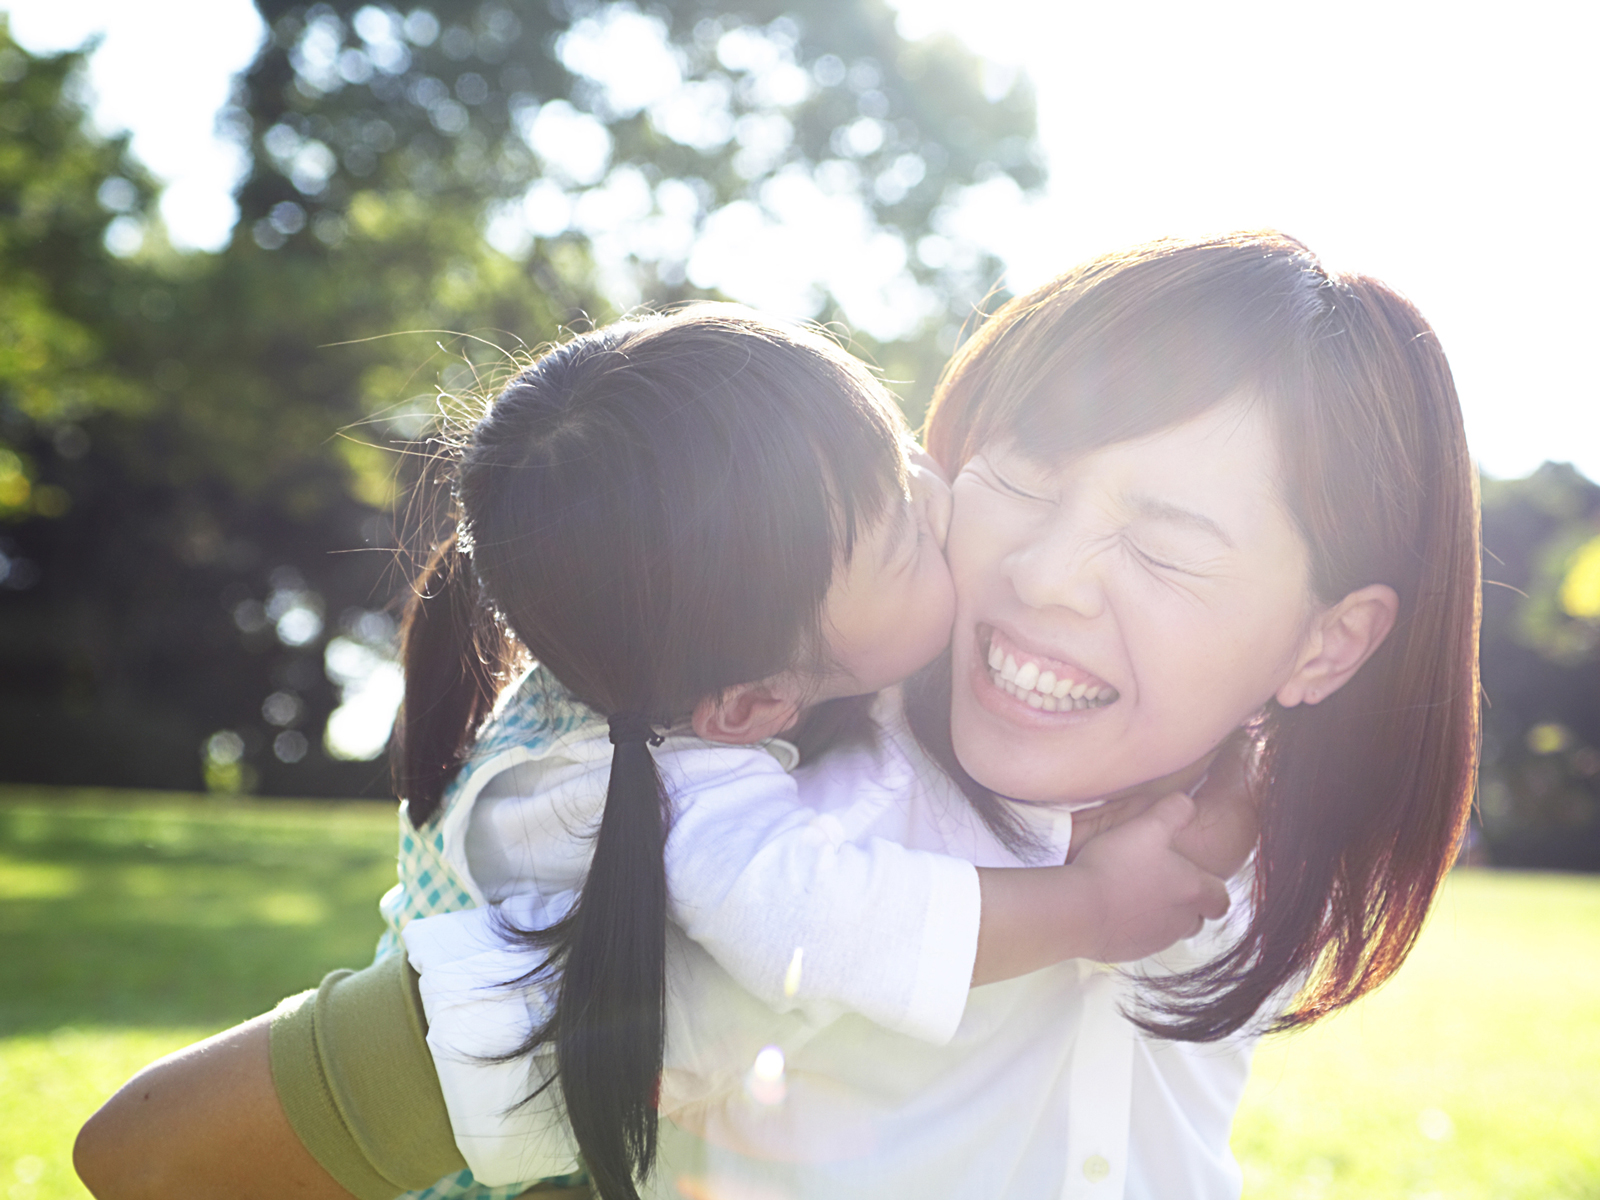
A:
[609,1023]
[656,511]
[453,659]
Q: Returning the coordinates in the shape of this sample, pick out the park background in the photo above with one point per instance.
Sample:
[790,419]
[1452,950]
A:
[215,352]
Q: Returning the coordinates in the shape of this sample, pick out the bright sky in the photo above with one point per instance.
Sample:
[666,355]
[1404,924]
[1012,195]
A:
[1449,149]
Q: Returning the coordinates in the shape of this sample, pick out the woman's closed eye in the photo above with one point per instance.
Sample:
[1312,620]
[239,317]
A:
[986,471]
[1020,493]
[1165,560]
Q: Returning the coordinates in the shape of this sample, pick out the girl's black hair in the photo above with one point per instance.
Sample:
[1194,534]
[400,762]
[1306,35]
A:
[654,511]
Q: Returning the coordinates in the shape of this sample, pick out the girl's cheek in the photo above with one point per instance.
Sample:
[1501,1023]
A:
[941,583]
[934,497]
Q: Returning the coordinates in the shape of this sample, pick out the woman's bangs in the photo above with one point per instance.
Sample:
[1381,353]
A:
[1131,376]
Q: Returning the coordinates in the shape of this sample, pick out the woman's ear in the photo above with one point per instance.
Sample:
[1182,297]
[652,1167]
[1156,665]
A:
[750,712]
[1342,637]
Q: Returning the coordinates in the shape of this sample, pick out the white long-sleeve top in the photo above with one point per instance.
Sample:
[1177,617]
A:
[775,891]
[1044,1090]
[798,911]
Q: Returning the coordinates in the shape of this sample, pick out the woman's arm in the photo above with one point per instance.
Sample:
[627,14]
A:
[205,1121]
[332,1095]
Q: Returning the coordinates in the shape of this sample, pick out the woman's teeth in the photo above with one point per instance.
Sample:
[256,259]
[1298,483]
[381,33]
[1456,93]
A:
[1044,689]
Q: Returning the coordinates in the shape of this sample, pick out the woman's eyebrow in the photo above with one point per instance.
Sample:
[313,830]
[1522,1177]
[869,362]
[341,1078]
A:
[1155,509]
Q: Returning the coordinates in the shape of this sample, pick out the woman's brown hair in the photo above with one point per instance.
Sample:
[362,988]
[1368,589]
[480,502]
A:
[1362,797]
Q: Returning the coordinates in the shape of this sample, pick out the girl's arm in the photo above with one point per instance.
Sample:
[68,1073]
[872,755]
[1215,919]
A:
[783,868]
[806,911]
[1153,869]
[808,914]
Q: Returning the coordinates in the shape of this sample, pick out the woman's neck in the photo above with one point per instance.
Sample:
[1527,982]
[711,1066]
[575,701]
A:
[1185,779]
[1138,797]
[1110,811]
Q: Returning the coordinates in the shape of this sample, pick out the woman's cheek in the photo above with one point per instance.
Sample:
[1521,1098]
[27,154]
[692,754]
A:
[978,531]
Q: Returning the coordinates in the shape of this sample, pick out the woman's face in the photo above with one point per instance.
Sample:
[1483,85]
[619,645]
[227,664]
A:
[1119,614]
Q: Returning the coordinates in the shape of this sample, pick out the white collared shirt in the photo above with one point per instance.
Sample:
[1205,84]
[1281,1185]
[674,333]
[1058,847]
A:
[1044,1090]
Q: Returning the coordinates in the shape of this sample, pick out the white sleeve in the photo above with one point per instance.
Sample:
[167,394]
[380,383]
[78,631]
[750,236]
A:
[464,964]
[803,916]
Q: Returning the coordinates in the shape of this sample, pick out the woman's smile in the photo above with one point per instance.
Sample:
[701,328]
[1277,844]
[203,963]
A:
[1043,682]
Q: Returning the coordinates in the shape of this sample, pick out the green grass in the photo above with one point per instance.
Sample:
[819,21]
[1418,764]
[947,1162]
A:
[1474,1074]
[132,925]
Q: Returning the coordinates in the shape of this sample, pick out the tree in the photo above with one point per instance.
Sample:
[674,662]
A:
[1541,670]
[492,170]
[63,195]
[639,132]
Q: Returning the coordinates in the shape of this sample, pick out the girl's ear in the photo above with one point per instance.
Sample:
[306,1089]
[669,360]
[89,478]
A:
[1342,637]
[750,712]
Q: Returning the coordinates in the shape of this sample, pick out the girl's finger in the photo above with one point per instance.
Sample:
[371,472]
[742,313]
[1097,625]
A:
[1215,901]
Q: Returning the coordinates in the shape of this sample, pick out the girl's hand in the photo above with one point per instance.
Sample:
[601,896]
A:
[1141,892]
[1130,893]
[1226,823]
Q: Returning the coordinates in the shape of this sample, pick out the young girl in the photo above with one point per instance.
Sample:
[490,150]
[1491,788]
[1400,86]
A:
[705,531]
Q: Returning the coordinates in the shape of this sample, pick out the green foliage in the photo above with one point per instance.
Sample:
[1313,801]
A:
[1560,509]
[60,191]
[466,103]
[1541,670]
[192,445]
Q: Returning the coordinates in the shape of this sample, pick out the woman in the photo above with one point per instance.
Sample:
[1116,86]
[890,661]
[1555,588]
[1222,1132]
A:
[1231,492]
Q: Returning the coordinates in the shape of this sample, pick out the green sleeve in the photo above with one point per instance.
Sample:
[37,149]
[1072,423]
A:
[351,1066]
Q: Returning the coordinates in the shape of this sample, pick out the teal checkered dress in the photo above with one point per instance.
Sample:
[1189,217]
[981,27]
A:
[530,718]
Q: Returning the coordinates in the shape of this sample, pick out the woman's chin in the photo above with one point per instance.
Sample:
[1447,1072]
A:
[1078,757]
[1025,752]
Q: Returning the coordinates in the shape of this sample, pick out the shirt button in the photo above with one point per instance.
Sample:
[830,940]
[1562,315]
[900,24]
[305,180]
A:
[1096,1168]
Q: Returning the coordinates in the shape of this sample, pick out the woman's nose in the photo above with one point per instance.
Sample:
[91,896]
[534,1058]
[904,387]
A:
[1057,568]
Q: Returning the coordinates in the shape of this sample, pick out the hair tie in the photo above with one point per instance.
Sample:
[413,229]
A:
[629,728]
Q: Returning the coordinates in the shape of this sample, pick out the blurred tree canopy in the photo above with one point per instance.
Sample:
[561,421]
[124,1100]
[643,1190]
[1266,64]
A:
[201,454]
[1540,800]
[198,464]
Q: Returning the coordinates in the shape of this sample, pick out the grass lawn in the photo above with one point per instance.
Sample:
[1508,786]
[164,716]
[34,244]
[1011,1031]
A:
[135,924]
[1475,1073]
